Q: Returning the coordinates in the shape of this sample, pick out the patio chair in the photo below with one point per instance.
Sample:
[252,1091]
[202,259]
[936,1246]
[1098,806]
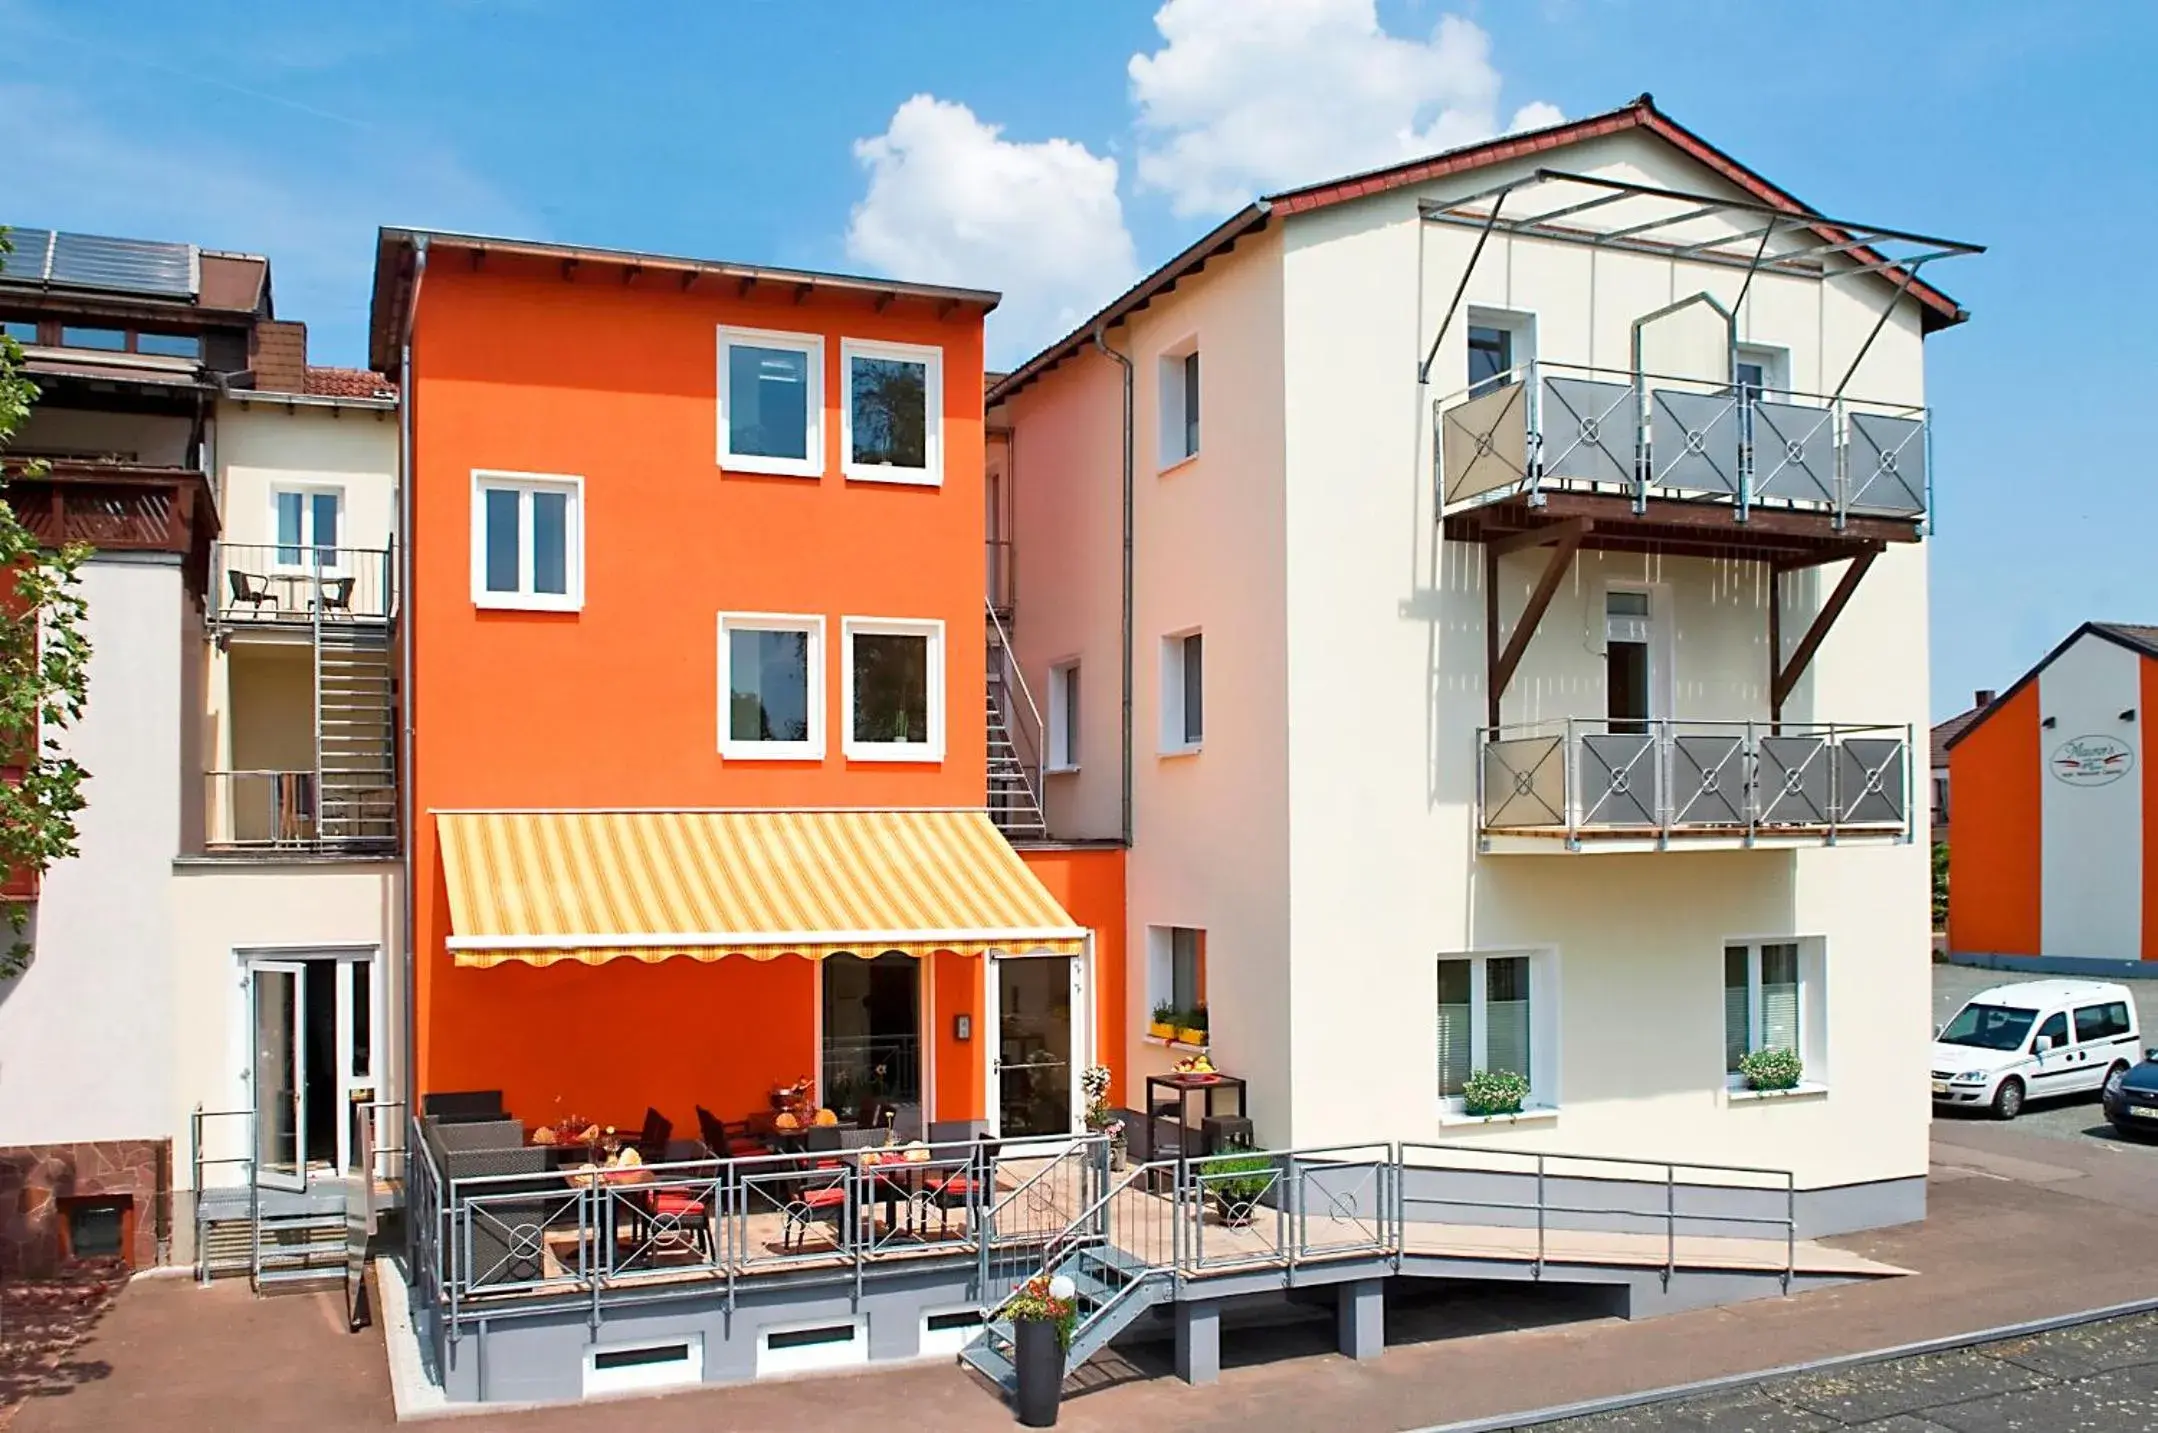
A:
[652,1141]
[448,1106]
[337,595]
[960,1188]
[250,591]
[714,1129]
[824,1195]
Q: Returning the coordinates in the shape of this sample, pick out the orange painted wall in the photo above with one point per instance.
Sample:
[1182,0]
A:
[517,368]
[1089,883]
[1994,857]
[2147,710]
[959,1062]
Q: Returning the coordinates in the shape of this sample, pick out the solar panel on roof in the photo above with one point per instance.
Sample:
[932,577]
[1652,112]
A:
[90,261]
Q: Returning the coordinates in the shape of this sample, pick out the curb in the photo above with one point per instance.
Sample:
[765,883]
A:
[1504,1423]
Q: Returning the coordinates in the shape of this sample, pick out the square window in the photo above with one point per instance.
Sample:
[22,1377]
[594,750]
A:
[527,541]
[1493,1015]
[1064,717]
[771,402]
[1183,693]
[1501,347]
[894,675]
[307,521]
[771,675]
[892,412]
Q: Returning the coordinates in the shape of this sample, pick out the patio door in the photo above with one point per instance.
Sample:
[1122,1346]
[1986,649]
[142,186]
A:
[277,995]
[1038,1047]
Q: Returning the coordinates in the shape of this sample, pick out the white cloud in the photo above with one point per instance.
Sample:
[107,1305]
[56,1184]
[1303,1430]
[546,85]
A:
[1248,96]
[950,200]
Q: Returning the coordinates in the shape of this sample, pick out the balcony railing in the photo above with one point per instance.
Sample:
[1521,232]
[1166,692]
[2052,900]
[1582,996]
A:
[1545,427]
[284,583]
[1593,780]
[280,811]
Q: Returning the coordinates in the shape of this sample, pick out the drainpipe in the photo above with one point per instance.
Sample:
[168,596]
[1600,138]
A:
[406,795]
[1125,363]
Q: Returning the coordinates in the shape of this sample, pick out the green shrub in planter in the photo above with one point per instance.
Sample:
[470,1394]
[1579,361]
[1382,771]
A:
[1494,1092]
[1776,1069]
[1237,1182]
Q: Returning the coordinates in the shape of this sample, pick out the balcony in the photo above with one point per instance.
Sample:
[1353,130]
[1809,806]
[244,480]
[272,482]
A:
[268,585]
[1578,784]
[1681,465]
[275,813]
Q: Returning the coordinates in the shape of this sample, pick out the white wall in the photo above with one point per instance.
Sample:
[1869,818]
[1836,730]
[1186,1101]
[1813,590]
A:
[86,1036]
[263,445]
[2091,861]
[1386,667]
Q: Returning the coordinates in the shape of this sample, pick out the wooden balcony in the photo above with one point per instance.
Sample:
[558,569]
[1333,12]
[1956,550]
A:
[117,507]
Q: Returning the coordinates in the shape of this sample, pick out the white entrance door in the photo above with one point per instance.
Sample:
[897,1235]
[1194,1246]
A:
[278,997]
[1038,1045]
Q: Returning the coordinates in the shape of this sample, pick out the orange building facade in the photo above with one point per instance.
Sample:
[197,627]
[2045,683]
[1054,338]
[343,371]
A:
[701,543]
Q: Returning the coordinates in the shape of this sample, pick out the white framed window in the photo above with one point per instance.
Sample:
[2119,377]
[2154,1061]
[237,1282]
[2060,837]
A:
[1183,692]
[771,402]
[1179,406]
[945,1332]
[891,412]
[527,541]
[1501,343]
[771,687]
[1775,997]
[807,1348]
[308,524]
[893,674]
[1175,967]
[1063,717]
[1763,372]
[1498,1011]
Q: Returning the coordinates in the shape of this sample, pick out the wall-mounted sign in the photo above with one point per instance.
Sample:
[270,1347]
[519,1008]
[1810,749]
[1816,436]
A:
[2092,760]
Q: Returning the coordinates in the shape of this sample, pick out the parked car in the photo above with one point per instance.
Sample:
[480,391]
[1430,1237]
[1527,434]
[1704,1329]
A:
[2132,1101]
[2035,1040]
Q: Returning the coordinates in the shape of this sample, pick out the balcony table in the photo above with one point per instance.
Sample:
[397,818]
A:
[1181,1087]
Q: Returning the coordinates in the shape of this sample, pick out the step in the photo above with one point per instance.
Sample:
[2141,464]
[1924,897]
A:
[993,1365]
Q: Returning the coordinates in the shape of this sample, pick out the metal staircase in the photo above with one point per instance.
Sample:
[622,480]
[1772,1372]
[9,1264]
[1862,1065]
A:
[1014,795]
[355,736]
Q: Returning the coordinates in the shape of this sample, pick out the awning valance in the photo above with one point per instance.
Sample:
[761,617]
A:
[593,886]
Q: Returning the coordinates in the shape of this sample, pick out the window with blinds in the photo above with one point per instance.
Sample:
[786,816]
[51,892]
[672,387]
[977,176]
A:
[1485,1018]
[1456,1040]
[1761,1000]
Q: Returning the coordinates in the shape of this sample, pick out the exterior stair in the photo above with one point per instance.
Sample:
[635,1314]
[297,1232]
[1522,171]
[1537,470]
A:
[1014,805]
[1112,1289]
[273,1237]
[355,736]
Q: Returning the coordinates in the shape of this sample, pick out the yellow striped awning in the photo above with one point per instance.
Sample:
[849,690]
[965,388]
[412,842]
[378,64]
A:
[593,886]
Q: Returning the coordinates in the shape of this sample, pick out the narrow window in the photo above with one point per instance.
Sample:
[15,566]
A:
[1626,661]
[1456,1039]
[1064,717]
[527,542]
[1194,689]
[1177,403]
[1191,404]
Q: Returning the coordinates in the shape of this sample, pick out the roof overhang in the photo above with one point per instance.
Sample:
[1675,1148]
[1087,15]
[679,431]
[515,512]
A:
[395,265]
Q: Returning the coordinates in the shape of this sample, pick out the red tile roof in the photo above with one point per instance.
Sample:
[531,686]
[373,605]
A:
[348,383]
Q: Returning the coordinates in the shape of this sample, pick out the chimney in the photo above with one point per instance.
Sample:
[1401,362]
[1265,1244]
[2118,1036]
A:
[1983,697]
[279,356]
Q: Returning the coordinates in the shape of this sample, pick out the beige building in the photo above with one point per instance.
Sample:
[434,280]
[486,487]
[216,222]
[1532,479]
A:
[1524,633]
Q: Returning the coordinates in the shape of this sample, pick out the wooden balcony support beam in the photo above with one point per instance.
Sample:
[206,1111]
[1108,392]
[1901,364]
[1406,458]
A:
[1783,675]
[1564,539]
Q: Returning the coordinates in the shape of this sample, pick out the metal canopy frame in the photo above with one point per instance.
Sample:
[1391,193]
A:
[1898,251]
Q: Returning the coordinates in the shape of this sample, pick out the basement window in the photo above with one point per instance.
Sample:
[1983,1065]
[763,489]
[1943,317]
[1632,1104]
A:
[804,1348]
[631,1369]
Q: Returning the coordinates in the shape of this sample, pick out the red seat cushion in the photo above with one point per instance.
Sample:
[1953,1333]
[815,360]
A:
[825,1198]
[957,1184]
[677,1204]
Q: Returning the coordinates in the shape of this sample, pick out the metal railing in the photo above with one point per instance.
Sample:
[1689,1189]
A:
[1024,729]
[1576,776]
[200,1161]
[881,1067]
[1542,427]
[282,810]
[275,583]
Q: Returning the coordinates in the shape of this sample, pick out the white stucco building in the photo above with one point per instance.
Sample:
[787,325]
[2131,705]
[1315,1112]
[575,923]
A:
[1526,626]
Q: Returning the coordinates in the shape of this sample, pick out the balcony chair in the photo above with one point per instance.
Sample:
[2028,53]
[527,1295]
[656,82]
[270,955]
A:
[963,1187]
[337,595]
[825,1192]
[652,1141]
[456,1106]
[250,591]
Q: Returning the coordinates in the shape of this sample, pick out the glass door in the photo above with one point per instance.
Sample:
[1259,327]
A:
[278,994]
[1036,1086]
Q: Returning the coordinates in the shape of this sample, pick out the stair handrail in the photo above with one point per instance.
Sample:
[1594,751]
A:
[1010,663]
[1064,1240]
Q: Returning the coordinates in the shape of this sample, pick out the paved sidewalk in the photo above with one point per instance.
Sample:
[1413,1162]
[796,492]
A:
[2021,1228]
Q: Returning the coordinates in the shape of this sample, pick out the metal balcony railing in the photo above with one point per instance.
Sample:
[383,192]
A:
[1544,427]
[1581,777]
[274,811]
[272,582]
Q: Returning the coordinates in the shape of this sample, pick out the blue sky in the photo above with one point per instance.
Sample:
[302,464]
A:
[1056,150]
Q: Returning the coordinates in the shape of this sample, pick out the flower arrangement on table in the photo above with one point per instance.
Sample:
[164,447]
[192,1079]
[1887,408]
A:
[1047,1298]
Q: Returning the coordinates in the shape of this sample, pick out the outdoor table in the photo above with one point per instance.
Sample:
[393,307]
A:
[1182,1087]
[896,1177]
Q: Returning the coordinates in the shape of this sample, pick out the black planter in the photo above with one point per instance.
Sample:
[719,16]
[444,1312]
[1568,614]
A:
[1038,1354]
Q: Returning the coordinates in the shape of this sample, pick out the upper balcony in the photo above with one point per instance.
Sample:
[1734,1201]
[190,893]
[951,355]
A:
[1681,465]
[272,586]
[1578,784]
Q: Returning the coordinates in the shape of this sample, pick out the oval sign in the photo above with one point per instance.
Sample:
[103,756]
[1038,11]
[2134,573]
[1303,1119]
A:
[2092,760]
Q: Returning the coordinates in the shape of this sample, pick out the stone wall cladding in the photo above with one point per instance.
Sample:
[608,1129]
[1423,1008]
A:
[34,1178]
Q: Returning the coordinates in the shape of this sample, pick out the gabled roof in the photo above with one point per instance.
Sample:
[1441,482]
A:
[1938,309]
[2136,637]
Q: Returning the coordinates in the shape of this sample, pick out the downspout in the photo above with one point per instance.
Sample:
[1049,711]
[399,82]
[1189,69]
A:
[1101,343]
[406,796]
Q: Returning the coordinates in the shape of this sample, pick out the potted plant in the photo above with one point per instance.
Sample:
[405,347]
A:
[1236,1183]
[1191,1026]
[1044,1312]
[1494,1092]
[1100,1119]
[1774,1069]
[1163,1024]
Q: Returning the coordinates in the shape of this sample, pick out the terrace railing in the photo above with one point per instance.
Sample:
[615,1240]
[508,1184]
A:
[1544,426]
[293,583]
[1576,777]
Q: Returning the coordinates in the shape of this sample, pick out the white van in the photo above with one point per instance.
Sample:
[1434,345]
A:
[2035,1040]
